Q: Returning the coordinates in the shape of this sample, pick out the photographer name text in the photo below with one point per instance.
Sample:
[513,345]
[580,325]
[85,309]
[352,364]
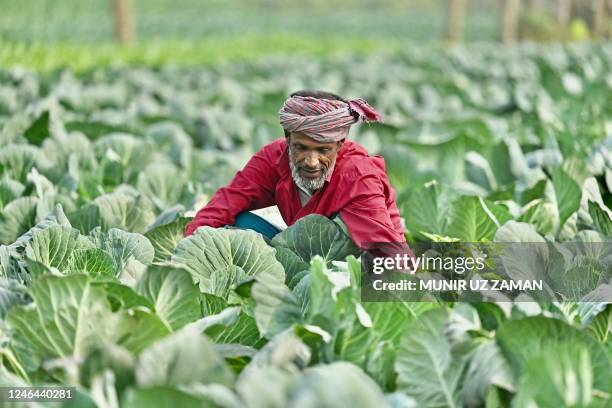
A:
[458,285]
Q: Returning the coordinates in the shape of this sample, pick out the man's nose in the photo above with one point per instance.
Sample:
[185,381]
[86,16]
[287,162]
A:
[312,160]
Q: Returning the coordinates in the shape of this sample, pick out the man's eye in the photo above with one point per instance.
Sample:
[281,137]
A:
[324,150]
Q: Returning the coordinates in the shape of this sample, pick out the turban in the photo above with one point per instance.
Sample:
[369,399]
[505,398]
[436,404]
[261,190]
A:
[324,120]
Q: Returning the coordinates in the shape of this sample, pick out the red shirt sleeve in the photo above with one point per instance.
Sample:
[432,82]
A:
[367,216]
[250,189]
[372,222]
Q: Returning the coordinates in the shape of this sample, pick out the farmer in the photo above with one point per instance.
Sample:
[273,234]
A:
[314,169]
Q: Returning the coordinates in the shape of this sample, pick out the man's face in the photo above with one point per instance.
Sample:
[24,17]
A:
[311,161]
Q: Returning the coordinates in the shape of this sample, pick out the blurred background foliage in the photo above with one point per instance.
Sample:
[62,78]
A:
[92,20]
[46,34]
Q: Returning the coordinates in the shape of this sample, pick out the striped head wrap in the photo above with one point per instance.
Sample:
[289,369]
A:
[324,120]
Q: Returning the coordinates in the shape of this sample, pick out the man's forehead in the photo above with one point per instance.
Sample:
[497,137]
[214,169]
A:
[298,137]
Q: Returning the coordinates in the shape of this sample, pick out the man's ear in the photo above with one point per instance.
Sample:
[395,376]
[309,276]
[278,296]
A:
[340,143]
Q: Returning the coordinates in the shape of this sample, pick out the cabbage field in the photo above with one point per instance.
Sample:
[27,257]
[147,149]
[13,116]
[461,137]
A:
[99,289]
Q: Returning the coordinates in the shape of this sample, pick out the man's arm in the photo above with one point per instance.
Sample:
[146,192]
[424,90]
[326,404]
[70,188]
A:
[367,216]
[250,189]
[372,223]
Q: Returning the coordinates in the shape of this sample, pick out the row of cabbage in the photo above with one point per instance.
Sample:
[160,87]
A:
[100,290]
[222,319]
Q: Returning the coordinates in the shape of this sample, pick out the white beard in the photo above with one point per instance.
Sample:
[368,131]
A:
[310,185]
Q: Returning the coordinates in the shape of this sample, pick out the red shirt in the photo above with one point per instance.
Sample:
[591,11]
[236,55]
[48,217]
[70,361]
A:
[358,189]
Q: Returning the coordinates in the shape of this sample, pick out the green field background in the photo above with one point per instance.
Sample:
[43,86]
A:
[44,35]
[92,20]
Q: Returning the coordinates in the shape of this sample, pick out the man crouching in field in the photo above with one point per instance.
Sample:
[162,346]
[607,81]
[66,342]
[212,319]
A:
[313,170]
